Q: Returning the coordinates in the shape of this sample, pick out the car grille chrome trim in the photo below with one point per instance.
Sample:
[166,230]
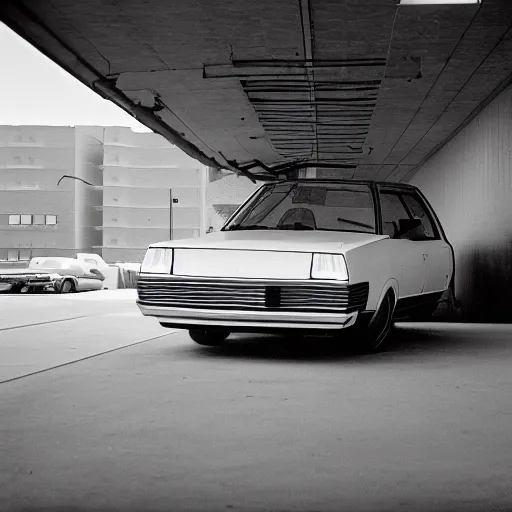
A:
[286,296]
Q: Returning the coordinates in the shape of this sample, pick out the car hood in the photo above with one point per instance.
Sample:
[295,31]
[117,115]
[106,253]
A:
[293,241]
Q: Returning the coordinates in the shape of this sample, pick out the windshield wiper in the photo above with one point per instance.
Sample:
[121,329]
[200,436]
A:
[353,222]
[296,226]
[239,227]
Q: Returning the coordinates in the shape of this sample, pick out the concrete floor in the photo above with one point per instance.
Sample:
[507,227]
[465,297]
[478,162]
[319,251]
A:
[105,410]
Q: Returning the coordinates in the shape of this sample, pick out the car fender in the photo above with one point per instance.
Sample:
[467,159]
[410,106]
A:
[391,284]
[68,278]
[378,264]
[75,281]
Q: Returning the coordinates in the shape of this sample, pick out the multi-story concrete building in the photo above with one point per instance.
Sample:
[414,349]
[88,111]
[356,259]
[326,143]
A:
[123,191]
[151,191]
[42,213]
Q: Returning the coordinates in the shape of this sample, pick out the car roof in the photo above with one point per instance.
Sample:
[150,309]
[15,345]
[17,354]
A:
[355,182]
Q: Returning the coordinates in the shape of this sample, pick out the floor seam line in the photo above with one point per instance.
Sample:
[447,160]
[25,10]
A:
[44,323]
[86,358]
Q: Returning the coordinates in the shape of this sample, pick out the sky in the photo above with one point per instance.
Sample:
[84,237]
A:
[35,91]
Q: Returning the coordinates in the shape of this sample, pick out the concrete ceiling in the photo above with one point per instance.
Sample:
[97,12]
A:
[361,89]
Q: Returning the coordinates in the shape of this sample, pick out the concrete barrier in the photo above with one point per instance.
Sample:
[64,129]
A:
[118,277]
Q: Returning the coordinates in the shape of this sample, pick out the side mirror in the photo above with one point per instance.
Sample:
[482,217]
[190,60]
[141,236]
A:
[408,225]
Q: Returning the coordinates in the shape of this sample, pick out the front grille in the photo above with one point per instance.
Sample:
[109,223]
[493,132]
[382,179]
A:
[27,277]
[224,294]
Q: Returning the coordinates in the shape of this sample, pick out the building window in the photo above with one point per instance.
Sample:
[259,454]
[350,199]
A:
[28,220]
[12,254]
[25,254]
[19,254]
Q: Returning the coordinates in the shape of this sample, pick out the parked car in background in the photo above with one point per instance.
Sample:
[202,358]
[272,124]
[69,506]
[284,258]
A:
[59,275]
[345,257]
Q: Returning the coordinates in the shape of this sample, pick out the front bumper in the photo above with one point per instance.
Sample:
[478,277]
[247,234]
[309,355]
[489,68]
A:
[251,303]
[187,317]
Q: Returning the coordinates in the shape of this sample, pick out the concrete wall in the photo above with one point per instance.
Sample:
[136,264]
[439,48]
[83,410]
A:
[469,183]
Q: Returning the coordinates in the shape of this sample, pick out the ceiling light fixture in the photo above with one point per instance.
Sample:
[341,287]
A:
[437,2]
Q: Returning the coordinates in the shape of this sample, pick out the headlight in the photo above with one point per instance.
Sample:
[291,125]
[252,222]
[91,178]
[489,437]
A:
[329,266]
[157,261]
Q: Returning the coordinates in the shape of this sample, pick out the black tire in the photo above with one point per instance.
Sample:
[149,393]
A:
[373,336]
[16,288]
[208,336]
[67,287]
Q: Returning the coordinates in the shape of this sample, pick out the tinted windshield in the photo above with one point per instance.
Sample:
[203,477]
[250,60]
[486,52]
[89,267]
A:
[305,206]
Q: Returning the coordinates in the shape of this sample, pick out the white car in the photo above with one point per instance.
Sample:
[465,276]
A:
[56,274]
[345,257]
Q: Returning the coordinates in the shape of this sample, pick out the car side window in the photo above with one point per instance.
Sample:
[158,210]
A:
[419,211]
[393,210]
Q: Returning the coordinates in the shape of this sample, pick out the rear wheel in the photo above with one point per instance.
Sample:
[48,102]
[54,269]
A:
[66,287]
[209,336]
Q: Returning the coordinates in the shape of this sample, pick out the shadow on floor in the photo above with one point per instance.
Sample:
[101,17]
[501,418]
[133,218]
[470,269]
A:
[407,341]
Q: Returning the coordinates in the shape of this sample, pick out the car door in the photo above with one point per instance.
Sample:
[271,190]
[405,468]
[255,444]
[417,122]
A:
[409,254]
[91,279]
[81,281]
[437,251]
[79,272]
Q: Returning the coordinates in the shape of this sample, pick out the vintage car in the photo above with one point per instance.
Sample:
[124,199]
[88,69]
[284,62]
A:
[59,275]
[344,257]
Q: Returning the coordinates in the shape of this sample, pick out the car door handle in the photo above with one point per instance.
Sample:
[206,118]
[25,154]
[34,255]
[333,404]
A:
[425,256]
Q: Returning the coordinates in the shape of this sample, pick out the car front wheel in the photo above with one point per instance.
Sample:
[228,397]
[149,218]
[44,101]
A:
[209,337]
[372,337]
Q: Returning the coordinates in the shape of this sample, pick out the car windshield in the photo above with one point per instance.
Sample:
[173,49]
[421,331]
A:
[46,263]
[54,263]
[308,206]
